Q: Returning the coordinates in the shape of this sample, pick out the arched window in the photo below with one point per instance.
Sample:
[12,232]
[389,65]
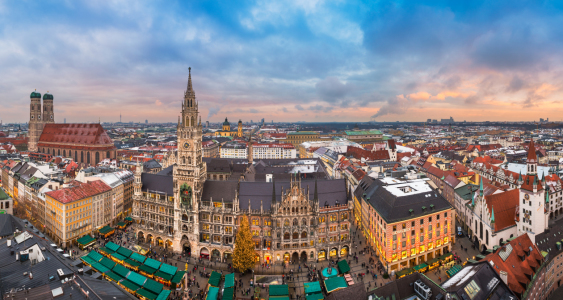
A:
[97,157]
[75,155]
[87,157]
[304,222]
[108,154]
[193,122]
[59,152]
[189,160]
[286,223]
[286,236]
[183,160]
[64,153]
[81,156]
[295,223]
[303,235]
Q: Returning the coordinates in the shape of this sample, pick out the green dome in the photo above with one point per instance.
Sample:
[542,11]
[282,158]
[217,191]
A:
[226,122]
[47,97]
[35,94]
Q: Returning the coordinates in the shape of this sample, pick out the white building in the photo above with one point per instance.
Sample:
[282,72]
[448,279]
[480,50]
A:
[234,150]
[273,151]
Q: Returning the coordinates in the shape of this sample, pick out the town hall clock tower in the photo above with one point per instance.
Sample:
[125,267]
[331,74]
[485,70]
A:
[189,173]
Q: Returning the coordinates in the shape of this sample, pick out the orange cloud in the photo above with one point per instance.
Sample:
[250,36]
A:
[419,96]
[444,95]
[158,103]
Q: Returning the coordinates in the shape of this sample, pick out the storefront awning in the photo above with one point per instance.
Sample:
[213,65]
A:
[404,272]
[86,240]
[420,267]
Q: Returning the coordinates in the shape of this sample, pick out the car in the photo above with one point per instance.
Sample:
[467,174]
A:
[459,232]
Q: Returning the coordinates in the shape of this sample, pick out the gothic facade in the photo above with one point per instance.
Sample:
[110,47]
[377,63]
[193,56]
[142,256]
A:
[183,209]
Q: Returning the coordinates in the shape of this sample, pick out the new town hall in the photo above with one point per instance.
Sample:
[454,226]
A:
[293,215]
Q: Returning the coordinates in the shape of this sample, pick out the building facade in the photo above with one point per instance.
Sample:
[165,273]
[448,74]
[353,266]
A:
[407,222]
[185,210]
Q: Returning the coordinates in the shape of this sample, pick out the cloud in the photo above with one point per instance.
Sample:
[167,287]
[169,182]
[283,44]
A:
[395,106]
[284,109]
[319,108]
[419,96]
[538,95]
[213,111]
[158,103]
[299,107]
[331,89]
[515,85]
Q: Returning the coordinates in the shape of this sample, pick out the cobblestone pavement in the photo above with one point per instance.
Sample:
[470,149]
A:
[295,282]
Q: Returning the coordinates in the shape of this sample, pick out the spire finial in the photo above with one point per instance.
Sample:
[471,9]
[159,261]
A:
[190,80]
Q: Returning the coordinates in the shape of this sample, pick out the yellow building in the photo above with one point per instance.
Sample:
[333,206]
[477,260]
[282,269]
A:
[69,210]
[226,130]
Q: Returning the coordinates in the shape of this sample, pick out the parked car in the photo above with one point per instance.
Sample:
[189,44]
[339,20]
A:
[459,232]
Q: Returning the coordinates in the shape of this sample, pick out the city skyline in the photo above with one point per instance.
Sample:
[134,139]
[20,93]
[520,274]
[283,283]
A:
[305,60]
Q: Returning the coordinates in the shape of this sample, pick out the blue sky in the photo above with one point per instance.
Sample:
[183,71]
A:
[284,60]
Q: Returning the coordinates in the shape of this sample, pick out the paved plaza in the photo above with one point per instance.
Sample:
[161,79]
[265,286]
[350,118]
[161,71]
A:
[294,274]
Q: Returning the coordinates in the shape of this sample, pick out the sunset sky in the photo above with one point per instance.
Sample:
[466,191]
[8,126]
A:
[301,60]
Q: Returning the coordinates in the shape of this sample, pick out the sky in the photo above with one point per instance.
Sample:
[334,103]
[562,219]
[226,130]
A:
[290,60]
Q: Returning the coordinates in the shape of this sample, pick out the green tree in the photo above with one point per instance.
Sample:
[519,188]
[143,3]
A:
[243,256]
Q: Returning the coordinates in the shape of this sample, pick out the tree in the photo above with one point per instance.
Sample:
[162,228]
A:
[243,256]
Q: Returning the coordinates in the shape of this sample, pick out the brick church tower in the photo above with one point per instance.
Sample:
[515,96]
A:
[39,115]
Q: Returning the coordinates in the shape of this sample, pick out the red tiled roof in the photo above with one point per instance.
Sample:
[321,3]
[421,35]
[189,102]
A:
[487,159]
[436,172]
[504,205]
[360,153]
[359,174]
[79,191]
[513,265]
[83,134]
[452,181]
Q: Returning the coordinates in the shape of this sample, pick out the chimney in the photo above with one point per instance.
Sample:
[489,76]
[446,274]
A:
[504,277]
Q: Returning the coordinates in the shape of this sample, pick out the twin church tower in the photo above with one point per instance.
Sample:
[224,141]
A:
[39,116]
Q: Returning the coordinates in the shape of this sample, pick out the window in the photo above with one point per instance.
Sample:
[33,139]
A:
[229,229]
[394,237]
[404,244]
[412,224]
[437,217]
[255,222]
[404,225]
[429,219]
[394,227]
[421,222]
[445,215]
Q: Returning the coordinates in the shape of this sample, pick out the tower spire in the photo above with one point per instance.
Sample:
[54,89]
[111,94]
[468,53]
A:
[492,214]
[190,80]
[481,188]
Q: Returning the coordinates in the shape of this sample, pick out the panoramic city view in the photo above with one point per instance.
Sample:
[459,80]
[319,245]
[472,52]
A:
[282,150]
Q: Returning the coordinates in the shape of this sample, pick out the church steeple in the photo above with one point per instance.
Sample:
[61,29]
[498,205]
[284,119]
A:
[190,89]
[492,214]
[481,188]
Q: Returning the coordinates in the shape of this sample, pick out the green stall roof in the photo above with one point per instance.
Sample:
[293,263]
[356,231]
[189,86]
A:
[132,262]
[108,263]
[163,295]
[88,260]
[137,278]
[121,270]
[228,294]
[212,293]
[168,269]
[129,219]
[124,251]
[334,283]
[100,268]
[312,287]
[214,279]
[138,257]
[112,246]
[146,294]
[230,280]
[113,276]
[433,261]
[121,224]
[95,256]
[106,229]
[85,240]
[155,264]
[178,277]
[163,275]
[420,267]
[278,290]
[106,250]
[118,256]
[453,270]
[147,269]
[130,285]
[343,266]
[153,286]
[404,272]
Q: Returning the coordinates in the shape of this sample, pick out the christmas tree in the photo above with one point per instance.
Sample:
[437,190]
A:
[243,256]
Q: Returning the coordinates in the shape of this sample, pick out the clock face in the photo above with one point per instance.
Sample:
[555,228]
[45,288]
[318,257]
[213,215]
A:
[51,117]
[186,145]
[527,197]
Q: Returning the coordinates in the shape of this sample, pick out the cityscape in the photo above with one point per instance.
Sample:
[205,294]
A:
[368,165]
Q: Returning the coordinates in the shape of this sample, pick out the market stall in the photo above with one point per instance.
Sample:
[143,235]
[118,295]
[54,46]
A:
[85,241]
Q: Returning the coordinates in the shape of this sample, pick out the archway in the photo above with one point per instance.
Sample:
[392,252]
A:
[303,256]
[204,253]
[141,237]
[216,254]
[159,241]
[344,251]
[322,254]
[149,238]
[168,244]
[187,249]
[333,252]
[500,242]
[483,248]
[286,257]
[476,242]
